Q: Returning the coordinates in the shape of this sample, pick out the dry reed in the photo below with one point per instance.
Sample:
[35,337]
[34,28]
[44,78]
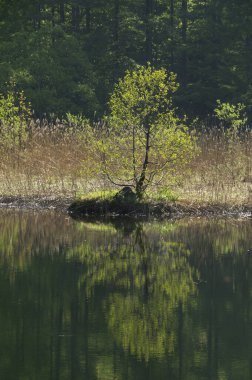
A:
[48,166]
[222,172]
[51,163]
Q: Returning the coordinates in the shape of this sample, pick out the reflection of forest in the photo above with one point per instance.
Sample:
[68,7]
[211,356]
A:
[88,299]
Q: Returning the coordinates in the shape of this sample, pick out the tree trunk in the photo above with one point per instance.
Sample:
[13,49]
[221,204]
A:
[148,30]
[140,183]
[216,21]
[53,21]
[78,17]
[172,32]
[184,14]
[116,38]
[62,12]
[88,18]
[53,15]
[37,15]
[75,18]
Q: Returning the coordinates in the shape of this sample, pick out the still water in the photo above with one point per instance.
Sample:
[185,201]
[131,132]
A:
[124,300]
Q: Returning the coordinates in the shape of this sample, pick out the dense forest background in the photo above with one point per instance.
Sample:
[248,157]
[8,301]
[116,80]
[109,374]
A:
[67,55]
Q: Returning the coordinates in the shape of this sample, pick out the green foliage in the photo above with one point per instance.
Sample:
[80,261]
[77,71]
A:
[77,122]
[164,195]
[143,98]
[233,119]
[232,115]
[53,70]
[145,139]
[15,114]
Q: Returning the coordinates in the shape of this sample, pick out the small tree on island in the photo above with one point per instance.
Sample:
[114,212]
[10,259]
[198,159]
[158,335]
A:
[143,138]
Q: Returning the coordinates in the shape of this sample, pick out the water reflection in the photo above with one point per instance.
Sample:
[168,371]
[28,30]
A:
[124,300]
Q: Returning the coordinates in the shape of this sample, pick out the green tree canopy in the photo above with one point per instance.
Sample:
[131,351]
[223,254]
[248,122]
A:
[148,139]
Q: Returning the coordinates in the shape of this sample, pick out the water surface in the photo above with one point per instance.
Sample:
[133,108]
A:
[124,300]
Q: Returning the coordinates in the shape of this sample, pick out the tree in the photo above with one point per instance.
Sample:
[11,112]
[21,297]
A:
[15,114]
[145,139]
[231,115]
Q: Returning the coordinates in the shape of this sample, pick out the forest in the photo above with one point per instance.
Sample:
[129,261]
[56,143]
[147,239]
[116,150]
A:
[67,55]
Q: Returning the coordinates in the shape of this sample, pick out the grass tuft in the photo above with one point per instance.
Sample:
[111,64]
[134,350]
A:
[99,195]
[163,195]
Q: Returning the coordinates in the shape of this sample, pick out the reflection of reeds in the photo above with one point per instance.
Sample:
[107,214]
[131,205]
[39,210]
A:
[51,165]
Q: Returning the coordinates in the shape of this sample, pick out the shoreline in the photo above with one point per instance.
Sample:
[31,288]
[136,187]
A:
[104,209]
[35,203]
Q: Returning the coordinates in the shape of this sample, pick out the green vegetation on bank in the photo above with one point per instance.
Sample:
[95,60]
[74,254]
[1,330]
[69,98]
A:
[162,195]
[124,202]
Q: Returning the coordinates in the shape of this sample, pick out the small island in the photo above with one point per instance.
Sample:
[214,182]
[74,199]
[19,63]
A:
[112,204]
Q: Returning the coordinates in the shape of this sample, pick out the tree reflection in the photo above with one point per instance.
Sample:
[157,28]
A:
[147,279]
[88,299]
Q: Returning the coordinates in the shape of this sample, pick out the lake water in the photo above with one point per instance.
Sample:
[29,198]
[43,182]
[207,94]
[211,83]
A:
[124,300]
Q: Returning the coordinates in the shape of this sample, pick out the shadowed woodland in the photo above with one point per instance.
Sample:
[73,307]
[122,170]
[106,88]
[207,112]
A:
[67,55]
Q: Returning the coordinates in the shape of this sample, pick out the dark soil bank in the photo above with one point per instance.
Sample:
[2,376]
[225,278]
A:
[117,208]
[35,203]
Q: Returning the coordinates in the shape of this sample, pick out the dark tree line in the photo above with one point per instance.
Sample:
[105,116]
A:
[67,55]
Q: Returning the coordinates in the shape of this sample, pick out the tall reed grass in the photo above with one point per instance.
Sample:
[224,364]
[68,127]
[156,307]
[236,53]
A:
[51,165]
[222,172]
